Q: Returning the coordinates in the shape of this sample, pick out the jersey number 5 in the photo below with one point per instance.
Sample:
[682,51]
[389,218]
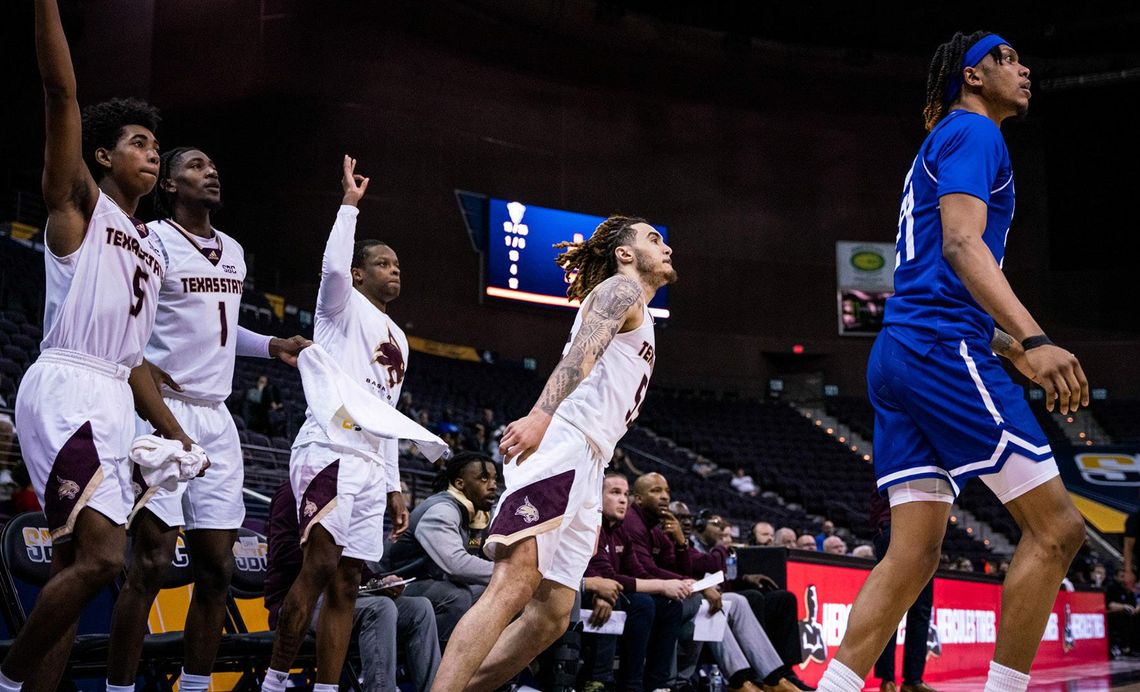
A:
[638,400]
[140,291]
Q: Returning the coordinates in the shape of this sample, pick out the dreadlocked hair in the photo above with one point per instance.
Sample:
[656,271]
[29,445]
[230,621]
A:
[946,64]
[103,124]
[453,469]
[592,261]
[163,199]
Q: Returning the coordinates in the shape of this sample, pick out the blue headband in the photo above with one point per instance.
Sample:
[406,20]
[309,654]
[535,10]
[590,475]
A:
[973,56]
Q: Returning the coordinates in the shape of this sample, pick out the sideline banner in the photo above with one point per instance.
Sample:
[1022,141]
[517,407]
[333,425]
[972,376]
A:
[963,628]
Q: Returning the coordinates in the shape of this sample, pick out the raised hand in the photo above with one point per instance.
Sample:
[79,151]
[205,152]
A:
[354,185]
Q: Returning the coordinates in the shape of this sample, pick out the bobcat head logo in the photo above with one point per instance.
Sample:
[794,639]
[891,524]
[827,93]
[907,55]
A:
[388,354]
[68,490]
[527,511]
[310,509]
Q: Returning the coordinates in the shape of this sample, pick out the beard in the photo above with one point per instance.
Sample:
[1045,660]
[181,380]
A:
[660,274]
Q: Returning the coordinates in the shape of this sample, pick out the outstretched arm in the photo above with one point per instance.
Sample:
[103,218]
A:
[336,265]
[607,309]
[1054,368]
[69,190]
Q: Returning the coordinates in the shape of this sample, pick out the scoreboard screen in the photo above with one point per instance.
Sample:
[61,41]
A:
[520,253]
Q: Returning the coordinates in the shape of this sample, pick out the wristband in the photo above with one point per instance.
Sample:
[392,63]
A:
[1035,341]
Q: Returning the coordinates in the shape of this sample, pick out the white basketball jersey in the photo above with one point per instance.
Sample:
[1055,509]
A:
[195,330]
[100,300]
[366,343]
[606,403]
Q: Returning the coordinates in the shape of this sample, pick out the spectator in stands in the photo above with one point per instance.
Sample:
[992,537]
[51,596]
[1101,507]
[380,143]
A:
[1123,616]
[442,547]
[380,622]
[828,529]
[1097,576]
[863,550]
[24,494]
[1131,531]
[260,399]
[661,549]
[774,608]
[7,430]
[963,564]
[407,405]
[763,533]
[806,542]
[743,483]
[703,467]
[834,545]
[652,606]
[475,439]
[785,537]
[684,515]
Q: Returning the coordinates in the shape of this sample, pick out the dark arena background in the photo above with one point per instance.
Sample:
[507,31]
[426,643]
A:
[768,139]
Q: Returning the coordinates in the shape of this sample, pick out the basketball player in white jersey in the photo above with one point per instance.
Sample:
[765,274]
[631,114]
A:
[195,340]
[74,410]
[342,493]
[546,524]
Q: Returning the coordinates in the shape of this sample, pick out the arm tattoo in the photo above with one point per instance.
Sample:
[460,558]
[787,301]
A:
[609,303]
[1002,343]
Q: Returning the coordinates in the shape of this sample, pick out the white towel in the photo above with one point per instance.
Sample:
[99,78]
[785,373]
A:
[353,417]
[164,462]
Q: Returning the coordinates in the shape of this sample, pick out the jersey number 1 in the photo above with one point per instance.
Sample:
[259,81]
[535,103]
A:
[222,317]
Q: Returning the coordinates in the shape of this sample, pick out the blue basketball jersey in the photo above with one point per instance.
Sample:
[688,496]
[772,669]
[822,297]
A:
[965,153]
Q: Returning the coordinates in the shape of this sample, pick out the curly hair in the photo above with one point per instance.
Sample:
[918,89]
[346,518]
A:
[592,261]
[453,469]
[103,124]
[946,62]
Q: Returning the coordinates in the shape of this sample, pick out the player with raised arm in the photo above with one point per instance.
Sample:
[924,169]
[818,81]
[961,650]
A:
[945,409]
[546,524]
[342,492]
[74,410]
[195,340]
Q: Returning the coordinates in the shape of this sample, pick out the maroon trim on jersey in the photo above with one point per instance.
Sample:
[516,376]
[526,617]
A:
[318,498]
[212,255]
[140,226]
[73,479]
[529,509]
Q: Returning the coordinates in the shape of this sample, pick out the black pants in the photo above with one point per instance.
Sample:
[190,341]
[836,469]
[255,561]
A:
[776,612]
[647,646]
[1124,630]
[917,626]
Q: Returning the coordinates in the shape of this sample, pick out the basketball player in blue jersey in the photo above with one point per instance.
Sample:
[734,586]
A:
[945,409]
[546,524]
[75,409]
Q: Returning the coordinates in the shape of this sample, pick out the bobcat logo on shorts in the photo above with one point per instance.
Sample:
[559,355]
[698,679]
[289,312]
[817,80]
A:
[68,490]
[527,511]
[310,508]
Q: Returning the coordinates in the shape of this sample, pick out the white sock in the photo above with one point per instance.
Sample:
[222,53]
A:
[322,687]
[120,688]
[840,678]
[274,681]
[7,684]
[1002,679]
[193,683]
